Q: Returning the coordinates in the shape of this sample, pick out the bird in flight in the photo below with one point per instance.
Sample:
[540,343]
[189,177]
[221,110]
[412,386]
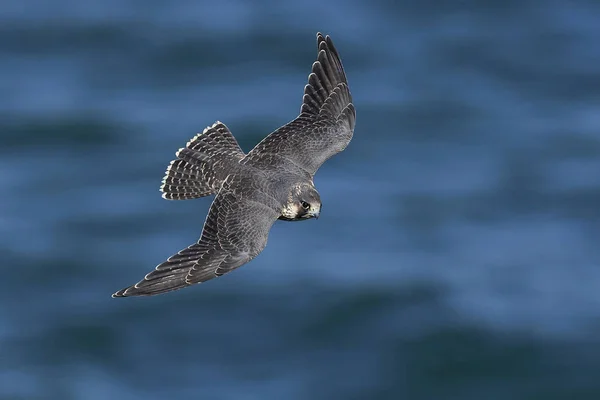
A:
[273,181]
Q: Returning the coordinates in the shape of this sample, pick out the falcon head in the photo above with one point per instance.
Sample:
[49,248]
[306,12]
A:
[303,203]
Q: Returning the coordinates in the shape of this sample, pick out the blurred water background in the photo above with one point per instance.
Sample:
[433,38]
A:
[457,254]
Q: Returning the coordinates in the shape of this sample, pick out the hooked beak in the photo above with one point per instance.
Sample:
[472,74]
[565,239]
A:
[316,213]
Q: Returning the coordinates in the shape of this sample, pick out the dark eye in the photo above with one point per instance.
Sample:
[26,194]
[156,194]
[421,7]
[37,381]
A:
[305,205]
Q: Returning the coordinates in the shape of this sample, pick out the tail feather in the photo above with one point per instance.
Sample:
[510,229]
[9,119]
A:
[183,181]
[201,166]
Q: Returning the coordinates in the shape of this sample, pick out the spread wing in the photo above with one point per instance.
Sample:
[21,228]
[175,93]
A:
[326,121]
[235,231]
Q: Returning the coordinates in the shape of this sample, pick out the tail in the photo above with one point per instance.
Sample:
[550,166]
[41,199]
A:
[202,165]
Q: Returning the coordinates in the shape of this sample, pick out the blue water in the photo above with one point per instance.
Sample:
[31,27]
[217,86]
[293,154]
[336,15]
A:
[457,254]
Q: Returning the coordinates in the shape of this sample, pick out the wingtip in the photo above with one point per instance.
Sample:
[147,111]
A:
[323,38]
[125,292]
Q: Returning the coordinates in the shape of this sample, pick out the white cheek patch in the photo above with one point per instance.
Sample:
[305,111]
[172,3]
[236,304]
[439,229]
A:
[290,211]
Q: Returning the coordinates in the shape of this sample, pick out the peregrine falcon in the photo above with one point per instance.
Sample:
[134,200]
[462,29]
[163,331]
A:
[273,181]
